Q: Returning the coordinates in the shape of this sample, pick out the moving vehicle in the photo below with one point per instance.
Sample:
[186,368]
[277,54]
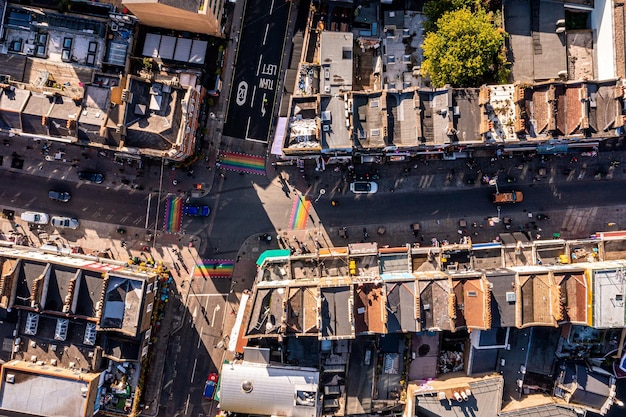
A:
[512,197]
[35,217]
[210,385]
[63,222]
[91,176]
[192,210]
[61,196]
[363,187]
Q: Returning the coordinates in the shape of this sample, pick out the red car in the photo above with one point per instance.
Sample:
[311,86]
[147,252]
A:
[210,386]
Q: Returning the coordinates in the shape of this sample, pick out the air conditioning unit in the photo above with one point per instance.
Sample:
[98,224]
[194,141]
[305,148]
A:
[511,297]
[127,96]
[10,379]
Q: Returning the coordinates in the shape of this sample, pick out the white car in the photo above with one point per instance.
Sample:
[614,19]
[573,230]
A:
[35,217]
[364,187]
[64,222]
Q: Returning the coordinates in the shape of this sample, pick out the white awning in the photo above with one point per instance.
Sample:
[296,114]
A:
[279,136]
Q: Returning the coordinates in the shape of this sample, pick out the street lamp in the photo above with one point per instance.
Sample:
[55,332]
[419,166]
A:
[322,192]
[494,182]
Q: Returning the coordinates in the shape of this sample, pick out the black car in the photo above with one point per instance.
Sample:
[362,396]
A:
[91,176]
[61,196]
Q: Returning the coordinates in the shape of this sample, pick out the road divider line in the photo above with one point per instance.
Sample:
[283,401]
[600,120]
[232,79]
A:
[148,210]
[267,27]
[193,372]
[248,128]
[200,337]
[253,94]
[272,7]
[258,68]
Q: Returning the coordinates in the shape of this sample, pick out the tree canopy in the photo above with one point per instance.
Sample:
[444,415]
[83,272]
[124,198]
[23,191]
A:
[464,48]
[434,9]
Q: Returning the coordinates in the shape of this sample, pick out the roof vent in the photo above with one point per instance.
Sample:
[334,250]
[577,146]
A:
[246,386]
[10,378]
[510,297]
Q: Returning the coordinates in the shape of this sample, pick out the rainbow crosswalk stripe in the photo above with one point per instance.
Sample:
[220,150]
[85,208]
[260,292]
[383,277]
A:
[300,213]
[214,268]
[241,162]
[173,214]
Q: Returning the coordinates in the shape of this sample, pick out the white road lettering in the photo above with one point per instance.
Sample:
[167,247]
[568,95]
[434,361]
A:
[269,69]
[266,83]
[242,93]
[263,104]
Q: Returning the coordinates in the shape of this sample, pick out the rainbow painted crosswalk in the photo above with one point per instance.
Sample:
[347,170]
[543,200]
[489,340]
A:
[214,268]
[240,162]
[173,214]
[300,213]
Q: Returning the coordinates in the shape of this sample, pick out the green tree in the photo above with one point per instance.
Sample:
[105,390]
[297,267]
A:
[464,49]
[434,9]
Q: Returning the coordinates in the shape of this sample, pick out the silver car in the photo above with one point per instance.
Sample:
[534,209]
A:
[34,217]
[64,222]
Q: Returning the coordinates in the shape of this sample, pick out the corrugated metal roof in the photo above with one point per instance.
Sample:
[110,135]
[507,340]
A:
[273,390]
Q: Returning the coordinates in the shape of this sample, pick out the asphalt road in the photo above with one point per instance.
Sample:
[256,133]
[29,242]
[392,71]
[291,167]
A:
[89,202]
[469,202]
[244,205]
[198,340]
[257,68]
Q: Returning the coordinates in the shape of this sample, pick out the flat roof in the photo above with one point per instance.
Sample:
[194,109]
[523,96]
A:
[404,119]
[337,135]
[367,120]
[502,311]
[336,59]
[46,390]
[335,313]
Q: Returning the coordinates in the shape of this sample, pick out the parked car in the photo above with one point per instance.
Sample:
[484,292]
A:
[92,176]
[61,196]
[210,385]
[63,222]
[35,217]
[363,187]
[192,210]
